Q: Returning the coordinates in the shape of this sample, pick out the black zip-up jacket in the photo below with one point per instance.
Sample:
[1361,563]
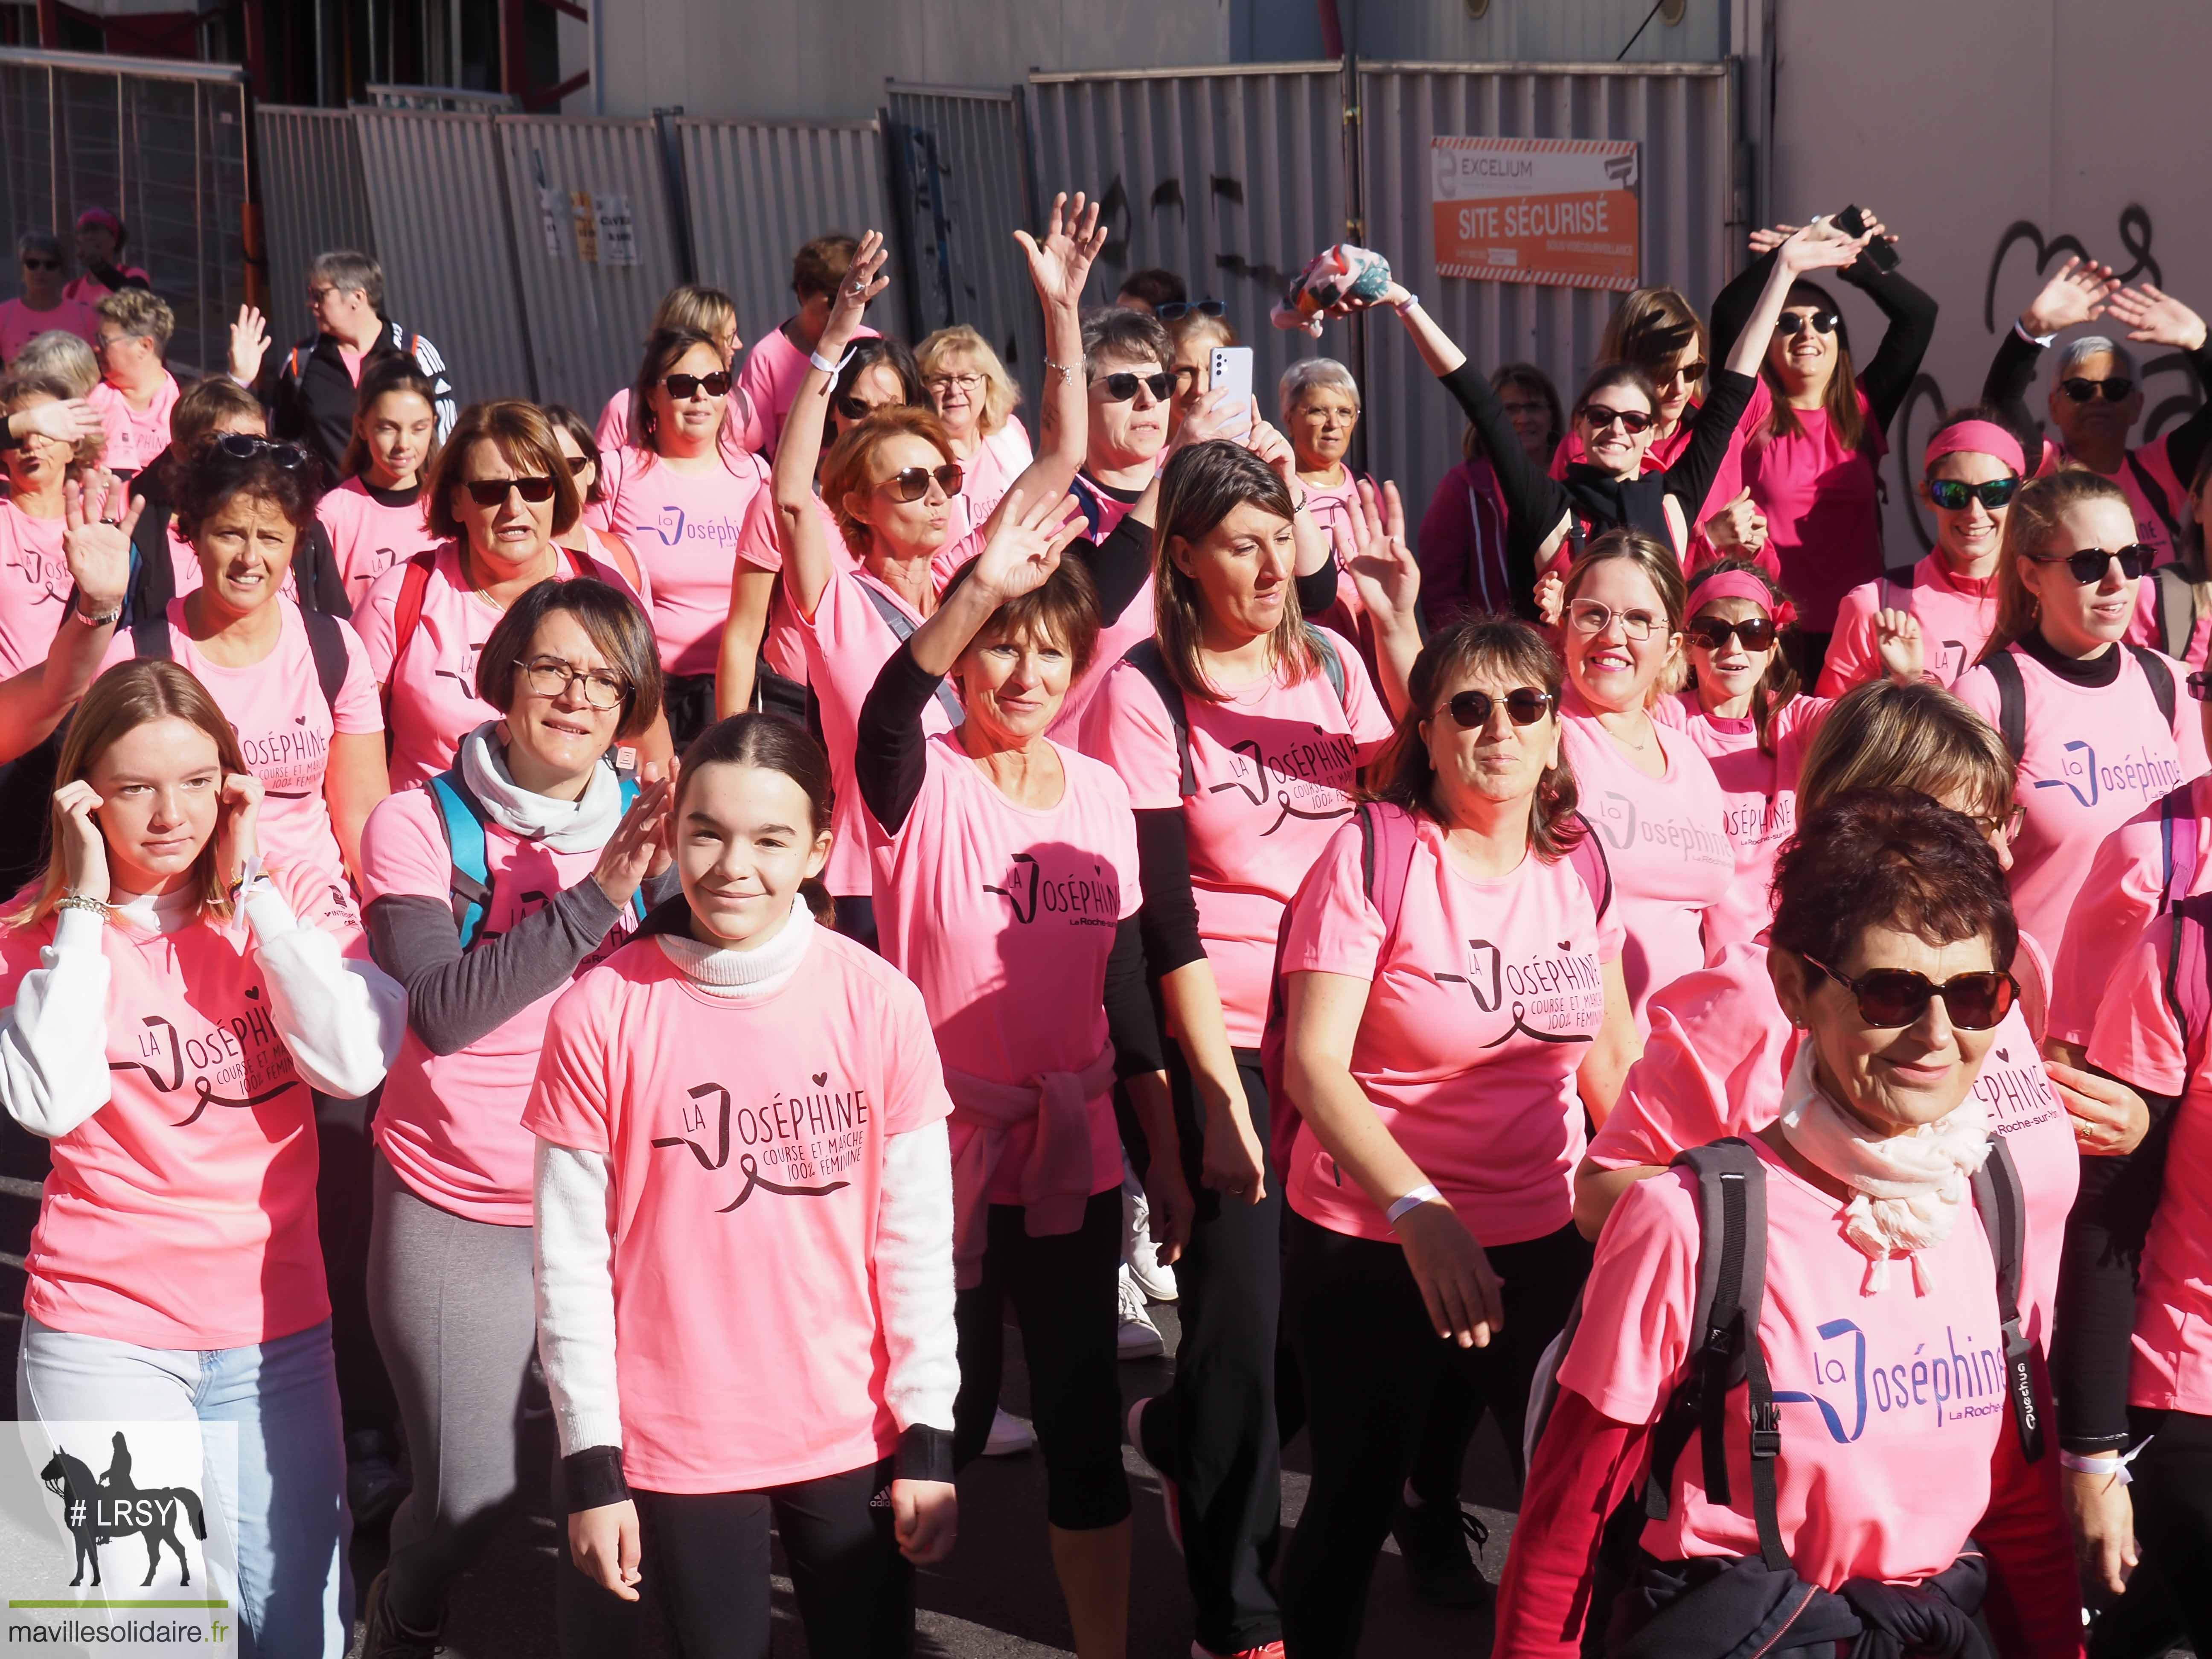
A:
[311,397]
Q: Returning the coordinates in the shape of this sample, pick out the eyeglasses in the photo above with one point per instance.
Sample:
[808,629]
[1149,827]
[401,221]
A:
[2200,685]
[578,463]
[1515,410]
[30,264]
[246,446]
[2082,390]
[1693,370]
[1175,310]
[1120,388]
[1524,706]
[549,677]
[716,385]
[1890,998]
[1589,616]
[1757,632]
[1630,421]
[853,407]
[1950,494]
[492,492]
[2008,826]
[938,383]
[2090,564]
[1793,323]
[911,483]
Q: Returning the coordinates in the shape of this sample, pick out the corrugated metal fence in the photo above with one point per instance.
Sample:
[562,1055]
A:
[313,200]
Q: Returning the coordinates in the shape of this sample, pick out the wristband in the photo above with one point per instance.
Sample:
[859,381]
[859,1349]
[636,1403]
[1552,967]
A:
[593,1478]
[91,619]
[249,873]
[84,901]
[1412,1200]
[2040,342]
[2104,1463]
[833,370]
[1406,304]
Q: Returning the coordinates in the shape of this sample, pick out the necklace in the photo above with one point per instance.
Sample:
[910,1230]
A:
[1640,744]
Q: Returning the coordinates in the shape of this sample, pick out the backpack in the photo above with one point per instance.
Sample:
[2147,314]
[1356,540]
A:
[902,627]
[2176,846]
[1145,657]
[2012,693]
[463,816]
[407,614]
[2155,492]
[149,637]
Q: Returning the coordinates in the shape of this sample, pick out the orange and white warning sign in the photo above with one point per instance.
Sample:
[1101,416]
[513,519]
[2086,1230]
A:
[1562,211]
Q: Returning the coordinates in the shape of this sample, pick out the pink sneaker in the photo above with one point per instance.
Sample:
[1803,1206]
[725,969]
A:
[1171,1495]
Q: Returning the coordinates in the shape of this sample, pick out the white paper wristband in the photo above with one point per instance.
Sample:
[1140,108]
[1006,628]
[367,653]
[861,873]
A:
[1412,1200]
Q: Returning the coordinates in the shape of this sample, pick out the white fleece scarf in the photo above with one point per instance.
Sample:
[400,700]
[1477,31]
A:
[744,975]
[566,826]
[1906,1191]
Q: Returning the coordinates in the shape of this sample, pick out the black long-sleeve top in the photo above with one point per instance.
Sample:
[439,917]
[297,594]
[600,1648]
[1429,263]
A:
[1887,376]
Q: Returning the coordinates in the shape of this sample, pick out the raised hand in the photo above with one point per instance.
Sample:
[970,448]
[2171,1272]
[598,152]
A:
[1820,246]
[1265,442]
[1738,527]
[249,344]
[1025,549]
[98,516]
[2077,292]
[639,841]
[68,421]
[1382,566]
[2156,317]
[1061,264]
[1898,641]
[84,849]
[238,832]
[1215,415]
[1764,242]
[864,281]
[1551,597]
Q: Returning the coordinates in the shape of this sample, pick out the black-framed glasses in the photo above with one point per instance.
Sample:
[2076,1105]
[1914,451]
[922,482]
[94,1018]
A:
[1590,616]
[2090,564]
[1757,632]
[716,385]
[2083,390]
[1175,310]
[492,492]
[1891,998]
[911,483]
[550,677]
[1630,421]
[1791,323]
[247,445]
[32,263]
[1524,706]
[1951,495]
[1122,387]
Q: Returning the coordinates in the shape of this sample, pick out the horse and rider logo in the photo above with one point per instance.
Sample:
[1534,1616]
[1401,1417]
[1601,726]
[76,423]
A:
[99,1511]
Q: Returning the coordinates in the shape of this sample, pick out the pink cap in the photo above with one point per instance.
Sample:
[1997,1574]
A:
[101,217]
[1979,438]
[1742,585]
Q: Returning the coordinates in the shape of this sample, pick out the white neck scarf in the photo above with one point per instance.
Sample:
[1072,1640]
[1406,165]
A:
[1907,1190]
[565,826]
[744,975]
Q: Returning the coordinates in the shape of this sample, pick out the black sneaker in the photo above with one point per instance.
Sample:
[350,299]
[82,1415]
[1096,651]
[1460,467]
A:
[1432,1537]
[383,1636]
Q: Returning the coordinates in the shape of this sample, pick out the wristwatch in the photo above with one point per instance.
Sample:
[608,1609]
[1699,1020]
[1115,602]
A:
[90,619]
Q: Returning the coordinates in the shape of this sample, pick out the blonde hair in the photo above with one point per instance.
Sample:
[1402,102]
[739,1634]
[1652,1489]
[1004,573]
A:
[127,696]
[1885,736]
[1001,395]
[2030,523]
[1664,572]
[1197,324]
[703,310]
[61,356]
[142,312]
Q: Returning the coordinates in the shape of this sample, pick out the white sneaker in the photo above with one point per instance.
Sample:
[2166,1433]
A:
[1154,1276]
[1139,1338]
[1009,1437]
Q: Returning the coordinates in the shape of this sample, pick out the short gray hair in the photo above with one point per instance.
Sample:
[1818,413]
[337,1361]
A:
[1115,331]
[345,269]
[1314,374]
[37,241]
[2078,352]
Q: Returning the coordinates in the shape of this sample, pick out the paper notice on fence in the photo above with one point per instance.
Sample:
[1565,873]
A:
[1561,211]
[549,219]
[587,224]
[617,231]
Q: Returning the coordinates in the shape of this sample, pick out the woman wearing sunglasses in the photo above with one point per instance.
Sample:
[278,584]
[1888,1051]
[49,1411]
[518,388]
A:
[707,311]
[589,534]
[678,497]
[376,518]
[1973,470]
[1450,1019]
[43,304]
[2099,728]
[1893,938]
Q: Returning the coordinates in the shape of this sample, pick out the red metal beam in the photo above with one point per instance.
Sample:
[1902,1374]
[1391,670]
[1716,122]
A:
[514,53]
[50,24]
[551,96]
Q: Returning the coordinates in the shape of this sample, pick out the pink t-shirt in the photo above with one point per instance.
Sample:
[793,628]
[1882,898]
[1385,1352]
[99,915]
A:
[1276,765]
[1956,614]
[1823,509]
[1874,1392]
[998,461]
[284,727]
[1135,623]
[741,431]
[1666,838]
[1483,1000]
[372,529]
[20,325]
[2095,757]
[34,587]
[1760,793]
[135,436]
[447,1124]
[182,1213]
[434,695]
[769,379]
[684,528]
[746,1145]
[1002,917]
[2139,1040]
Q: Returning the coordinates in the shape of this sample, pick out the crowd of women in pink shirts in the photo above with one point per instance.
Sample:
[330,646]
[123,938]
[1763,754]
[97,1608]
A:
[701,913]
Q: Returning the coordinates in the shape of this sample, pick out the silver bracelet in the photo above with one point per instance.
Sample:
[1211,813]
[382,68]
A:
[89,618]
[1406,304]
[1067,372]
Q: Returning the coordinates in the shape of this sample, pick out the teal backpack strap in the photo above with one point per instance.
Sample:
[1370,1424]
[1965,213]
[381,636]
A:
[465,837]
[636,899]
[1332,660]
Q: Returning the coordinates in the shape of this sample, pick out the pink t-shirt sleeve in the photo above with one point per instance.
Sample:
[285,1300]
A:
[2136,1038]
[1637,1301]
[1334,927]
[916,1081]
[402,850]
[1128,727]
[568,1102]
[2119,895]
[1852,659]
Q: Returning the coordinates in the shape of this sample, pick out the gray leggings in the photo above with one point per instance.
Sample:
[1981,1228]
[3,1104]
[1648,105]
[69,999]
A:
[455,1313]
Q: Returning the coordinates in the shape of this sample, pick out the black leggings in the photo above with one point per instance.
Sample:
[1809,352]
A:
[1370,1362]
[2173,1494]
[1065,1290]
[706,1556]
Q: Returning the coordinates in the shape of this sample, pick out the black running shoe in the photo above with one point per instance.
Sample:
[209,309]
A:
[1432,1537]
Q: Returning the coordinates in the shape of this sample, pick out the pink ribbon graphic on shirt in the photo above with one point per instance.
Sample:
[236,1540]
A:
[754,1178]
[208,1098]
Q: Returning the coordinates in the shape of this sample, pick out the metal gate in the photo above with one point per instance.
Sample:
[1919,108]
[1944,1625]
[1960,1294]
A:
[314,201]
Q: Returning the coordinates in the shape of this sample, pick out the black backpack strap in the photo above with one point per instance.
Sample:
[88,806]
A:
[1145,657]
[2012,701]
[1366,817]
[2176,609]
[2005,1217]
[2159,673]
[326,640]
[2155,492]
[902,627]
[150,636]
[153,573]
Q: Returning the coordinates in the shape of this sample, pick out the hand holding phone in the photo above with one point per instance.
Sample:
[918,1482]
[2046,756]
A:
[1232,378]
[1852,222]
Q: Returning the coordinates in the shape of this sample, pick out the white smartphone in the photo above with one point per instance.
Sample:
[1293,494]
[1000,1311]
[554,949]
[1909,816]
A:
[1232,373]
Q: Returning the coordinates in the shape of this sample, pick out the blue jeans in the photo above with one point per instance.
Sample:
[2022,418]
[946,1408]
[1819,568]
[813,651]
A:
[287,1516]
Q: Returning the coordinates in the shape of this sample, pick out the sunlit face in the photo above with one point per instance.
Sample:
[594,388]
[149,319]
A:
[398,428]
[2081,618]
[344,312]
[745,839]
[1970,535]
[1014,685]
[903,530]
[2096,421]
[124,356]
[877,387]
[583,464]
[161,791]
[1607,443]
[1611,667]
[1497,761]
[1734,670]
[1242,569]
[511,533]
[957,386]
[1131,431]
[1321,427]
[245,547]
[694,418]
[561,730]
[1806,360]
[38,462]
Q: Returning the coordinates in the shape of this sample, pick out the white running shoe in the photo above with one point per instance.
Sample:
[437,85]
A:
[1009,1437]
[1139,1338]
[1154,1276]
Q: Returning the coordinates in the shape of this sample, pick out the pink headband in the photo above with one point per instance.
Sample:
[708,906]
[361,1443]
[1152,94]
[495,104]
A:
[1742,585]
[1979,438]
[100,216]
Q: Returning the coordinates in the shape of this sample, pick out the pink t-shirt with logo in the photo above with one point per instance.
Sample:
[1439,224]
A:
[1135,623]
[998,461]
[1956,614]
[1276,765]
[182,1213]
[284,727]
[1874,1392]
[1760,793]
[449,1124]
[2096,756]
[372,529]
[741,431]
[135,436]
[684,527]
[20,325]
[1482,1001]
[34,587]
[746,1143]
[1666,838]
[1004,916]
[772,370]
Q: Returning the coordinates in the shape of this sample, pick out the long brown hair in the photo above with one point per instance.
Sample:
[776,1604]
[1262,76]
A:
[1203,485]
[1652,328]
[2030,523]
[1840,402]
[1779,684]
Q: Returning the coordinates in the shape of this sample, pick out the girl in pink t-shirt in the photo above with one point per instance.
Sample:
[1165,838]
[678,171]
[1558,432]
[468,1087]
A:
[1453,1005]
[744,1207]
[172,1002]
[377,519]
[1876,1262]
[484,945]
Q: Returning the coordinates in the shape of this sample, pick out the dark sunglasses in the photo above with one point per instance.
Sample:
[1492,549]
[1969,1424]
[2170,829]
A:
[1890,998]
[1693,370]
[1525,706]
[1757,632]
[578,463]
[492,492]
[853,407]
[245,446]
[1632,420]
[1175,310]
[1793,323]
[911,483]
[1120,388]
[2090,563]
[29,263]
[716,385]
[2081,391]
[1950,494]
[2200,686]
